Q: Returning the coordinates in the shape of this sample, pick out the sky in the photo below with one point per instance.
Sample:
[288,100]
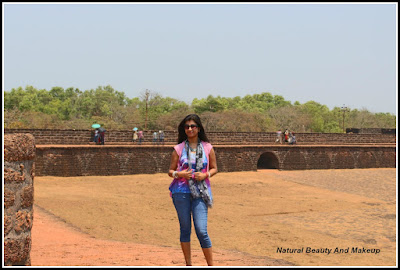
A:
[336,54]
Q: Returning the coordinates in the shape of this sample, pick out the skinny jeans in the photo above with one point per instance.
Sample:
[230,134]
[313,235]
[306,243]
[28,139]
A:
[186,206]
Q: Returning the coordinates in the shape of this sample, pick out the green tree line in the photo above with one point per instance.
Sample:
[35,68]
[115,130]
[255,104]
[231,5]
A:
[72,108]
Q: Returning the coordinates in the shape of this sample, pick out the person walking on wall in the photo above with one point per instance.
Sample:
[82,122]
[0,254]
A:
[140,136]
[286,135]
[102,135]
[161,137]
[193,163]
[96,136]
[135,136]
[155,137]
[279,136]
[292,138]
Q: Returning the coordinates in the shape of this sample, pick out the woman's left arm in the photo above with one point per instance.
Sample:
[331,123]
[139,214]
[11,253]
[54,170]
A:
[212,167]
[213,163]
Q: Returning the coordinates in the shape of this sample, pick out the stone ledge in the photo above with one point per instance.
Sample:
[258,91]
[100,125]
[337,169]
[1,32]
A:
[18,147]
[65,146]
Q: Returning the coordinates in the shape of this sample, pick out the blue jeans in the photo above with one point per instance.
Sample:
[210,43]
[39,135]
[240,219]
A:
[186,206]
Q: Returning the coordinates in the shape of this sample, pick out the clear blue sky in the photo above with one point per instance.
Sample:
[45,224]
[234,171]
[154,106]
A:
[333,54]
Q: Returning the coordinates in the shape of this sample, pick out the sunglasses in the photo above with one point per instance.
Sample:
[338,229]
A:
[191,126]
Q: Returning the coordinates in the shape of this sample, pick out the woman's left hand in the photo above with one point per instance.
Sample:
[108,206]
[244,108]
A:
[200,176]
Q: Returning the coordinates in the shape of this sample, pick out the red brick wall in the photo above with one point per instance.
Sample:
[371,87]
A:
[125,160]
[83,137]
[19,167]
[308,157]
[101,160]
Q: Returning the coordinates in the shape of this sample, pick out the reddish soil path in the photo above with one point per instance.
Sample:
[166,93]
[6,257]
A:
[272,209]
[56,243]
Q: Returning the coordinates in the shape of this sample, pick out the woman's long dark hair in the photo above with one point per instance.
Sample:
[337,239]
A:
[181,128]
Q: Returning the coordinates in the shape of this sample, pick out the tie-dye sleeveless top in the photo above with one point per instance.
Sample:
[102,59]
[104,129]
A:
[180,185]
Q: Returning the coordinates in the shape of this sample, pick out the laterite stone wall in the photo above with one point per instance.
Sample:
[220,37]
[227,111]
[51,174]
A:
[125,160]
[232,158]
[124,137]
[19,171]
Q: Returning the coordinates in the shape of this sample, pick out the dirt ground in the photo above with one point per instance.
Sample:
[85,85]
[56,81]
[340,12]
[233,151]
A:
[60,244]
[262,218]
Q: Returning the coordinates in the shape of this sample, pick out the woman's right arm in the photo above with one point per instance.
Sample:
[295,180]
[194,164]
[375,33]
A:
[174,165]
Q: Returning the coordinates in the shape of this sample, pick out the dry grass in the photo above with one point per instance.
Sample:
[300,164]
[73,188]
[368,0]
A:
[254,212]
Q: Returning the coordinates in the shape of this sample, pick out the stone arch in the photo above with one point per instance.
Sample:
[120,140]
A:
[318,159]
[389,159]
[366,159]
[268,160]
[294,159]
[344,159]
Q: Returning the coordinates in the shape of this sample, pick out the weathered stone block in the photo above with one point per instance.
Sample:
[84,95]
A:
[27,196]
[7,225]
[11,175]
[18,147]
[9,197]
[19,153]
[17,251]
[23,221]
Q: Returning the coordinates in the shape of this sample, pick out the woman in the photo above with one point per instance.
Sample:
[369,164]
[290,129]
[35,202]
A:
[96,136]
[135,136]
[286,135]
[141,137]
[193,162]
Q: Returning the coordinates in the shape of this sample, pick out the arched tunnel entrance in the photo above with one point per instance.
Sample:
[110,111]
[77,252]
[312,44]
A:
[268,160]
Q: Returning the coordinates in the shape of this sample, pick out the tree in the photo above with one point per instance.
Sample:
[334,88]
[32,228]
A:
[291,117]
[154,106]
[40,108]
[235,120]
[210,104]
[146,96]
[318,114]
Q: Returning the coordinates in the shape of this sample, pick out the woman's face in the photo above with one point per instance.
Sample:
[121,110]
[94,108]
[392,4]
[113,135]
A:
[191,129]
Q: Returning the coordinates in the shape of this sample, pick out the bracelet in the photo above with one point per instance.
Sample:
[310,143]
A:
[209,175]
[175,174]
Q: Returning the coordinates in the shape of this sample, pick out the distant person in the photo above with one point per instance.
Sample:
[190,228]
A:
[135,136]
[140,136]
[193,162]
[161,137]
[286,135]
[292,138]
[279,136]
[96,136]
[155,137]
[102,132]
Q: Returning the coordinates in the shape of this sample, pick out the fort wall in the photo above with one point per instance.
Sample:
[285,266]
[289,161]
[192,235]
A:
[19,171]
[71,153]
[125,160]
[84,137]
